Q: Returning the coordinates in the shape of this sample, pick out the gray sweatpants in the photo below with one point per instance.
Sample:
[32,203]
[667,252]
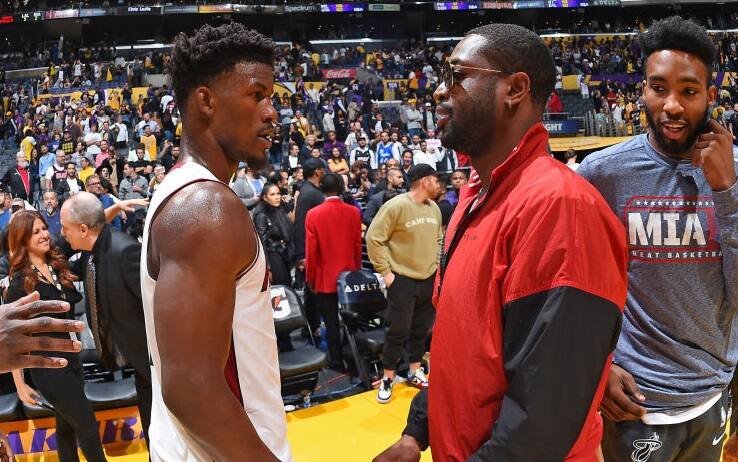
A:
[698,440]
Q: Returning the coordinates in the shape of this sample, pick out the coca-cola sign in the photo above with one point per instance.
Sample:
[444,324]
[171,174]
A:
[346,73]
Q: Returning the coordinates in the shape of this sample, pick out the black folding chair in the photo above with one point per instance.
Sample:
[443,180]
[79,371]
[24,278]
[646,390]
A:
[300,367]
[362,307]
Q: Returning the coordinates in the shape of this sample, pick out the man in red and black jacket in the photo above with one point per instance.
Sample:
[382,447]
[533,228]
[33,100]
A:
[532,281]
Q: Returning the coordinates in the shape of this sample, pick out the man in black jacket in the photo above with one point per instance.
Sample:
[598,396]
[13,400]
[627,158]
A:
[18,180]
[310,196]
[395,182]
[71,186]
[110,270]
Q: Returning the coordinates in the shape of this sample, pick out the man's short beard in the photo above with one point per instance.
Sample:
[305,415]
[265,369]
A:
[671,147]
[471,132]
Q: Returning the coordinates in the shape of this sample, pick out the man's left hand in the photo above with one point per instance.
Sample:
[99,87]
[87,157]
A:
[713,152]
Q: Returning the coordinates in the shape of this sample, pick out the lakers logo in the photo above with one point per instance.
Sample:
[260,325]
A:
[644,448]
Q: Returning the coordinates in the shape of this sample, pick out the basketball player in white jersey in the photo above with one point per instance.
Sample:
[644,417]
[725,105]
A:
[209,323]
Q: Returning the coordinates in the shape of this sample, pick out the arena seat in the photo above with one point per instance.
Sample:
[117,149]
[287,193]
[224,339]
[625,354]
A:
[112,394]
[361,308]
[9,402]
[298,368]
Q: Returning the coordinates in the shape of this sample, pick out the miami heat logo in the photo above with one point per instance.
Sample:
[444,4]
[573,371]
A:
[644,448]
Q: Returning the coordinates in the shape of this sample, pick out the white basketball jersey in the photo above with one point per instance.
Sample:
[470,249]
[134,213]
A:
[252,370]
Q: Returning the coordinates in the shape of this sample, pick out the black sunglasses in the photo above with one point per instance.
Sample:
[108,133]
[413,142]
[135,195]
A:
[448,70]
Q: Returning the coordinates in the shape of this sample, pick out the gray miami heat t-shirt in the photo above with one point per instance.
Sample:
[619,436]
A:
[679,337]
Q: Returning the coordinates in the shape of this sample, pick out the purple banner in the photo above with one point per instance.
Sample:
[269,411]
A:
[720,79]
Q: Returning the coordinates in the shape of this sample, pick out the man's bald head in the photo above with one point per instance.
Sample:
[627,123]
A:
[84,208]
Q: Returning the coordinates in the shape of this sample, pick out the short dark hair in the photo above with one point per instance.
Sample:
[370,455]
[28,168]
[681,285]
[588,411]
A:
[516,49]
[676,33]
[331,183]
[211,51]
[70,163]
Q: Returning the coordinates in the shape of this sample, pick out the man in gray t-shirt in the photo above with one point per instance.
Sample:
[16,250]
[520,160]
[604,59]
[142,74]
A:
[675,190]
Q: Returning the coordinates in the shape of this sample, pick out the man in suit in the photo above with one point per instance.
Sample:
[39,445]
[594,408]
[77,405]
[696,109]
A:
[110,269]
[332,245]
[18,180]
[310,196]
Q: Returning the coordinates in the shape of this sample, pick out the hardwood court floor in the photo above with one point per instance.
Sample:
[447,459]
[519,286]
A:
[353,429]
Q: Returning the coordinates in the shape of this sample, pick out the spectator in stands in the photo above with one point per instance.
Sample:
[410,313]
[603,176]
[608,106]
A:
[428,118]
[403,243]
[170,156]
[426,155]
[103,154]
[86,169]
[275,231]
[93,140]
[97,186]
[414,120]
[156,179]
[331,143]
[110,270]
[148,139]
[333,245]
[5,213]
[18,181]
[292,160]
[134,186]
[363,153]
[121,134]
[336,162]
[449,161]
[50,213]
[571,159]
[384,148]
[71,185]
[37,265]
[458,179]
[142,166]
[247,187]
[394,182]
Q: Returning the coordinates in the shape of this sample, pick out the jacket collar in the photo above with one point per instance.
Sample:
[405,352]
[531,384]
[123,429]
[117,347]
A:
[533,143]
[102,243]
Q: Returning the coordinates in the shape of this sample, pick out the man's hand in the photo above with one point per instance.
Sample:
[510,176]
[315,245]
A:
[622,396]
[136,188]
[16,328]
[406,449]
[129,205]
[713,152]
[300,264]
[389,279]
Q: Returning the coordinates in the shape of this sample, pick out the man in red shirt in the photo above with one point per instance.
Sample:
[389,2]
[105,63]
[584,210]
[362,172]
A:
[532,280]
[332,245]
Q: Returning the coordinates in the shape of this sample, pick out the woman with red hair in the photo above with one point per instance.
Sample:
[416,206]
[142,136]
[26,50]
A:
[37,265]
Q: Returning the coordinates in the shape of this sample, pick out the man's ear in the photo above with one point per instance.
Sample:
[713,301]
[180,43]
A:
[519,87]
[204,100]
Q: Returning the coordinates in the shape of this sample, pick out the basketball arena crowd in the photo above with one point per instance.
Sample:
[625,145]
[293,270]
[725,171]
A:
[332,140]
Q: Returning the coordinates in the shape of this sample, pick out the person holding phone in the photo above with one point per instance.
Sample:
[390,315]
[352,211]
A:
[667,395]
[37,265]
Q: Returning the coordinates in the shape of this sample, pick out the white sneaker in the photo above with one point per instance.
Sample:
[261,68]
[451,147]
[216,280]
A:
[418,378]
[385,390]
